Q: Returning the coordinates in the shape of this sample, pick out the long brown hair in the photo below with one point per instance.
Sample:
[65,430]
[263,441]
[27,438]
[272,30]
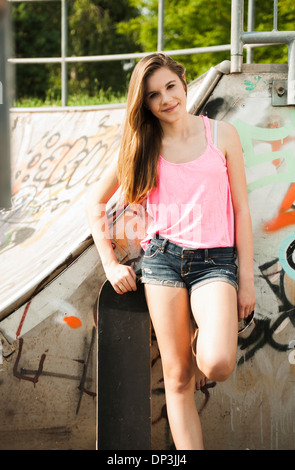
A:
[142,134]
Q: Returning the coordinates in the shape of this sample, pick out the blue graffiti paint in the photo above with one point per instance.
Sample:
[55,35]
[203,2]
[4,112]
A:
[286,250]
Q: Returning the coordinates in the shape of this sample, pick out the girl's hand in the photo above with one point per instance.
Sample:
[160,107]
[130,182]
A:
[246,299]
[122,277]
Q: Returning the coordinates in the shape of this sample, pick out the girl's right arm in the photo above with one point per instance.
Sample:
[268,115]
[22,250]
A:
[121,277]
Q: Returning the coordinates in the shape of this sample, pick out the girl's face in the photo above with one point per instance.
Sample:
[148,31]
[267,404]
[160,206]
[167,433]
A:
[165,95]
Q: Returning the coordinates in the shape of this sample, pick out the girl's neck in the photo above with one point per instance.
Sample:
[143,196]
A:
[180,129]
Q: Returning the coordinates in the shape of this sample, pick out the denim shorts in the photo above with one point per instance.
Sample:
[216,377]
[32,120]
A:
[169,264]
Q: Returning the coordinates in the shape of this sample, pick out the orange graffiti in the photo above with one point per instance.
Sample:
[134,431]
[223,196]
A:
[286,213]
[276,145]
[73,322]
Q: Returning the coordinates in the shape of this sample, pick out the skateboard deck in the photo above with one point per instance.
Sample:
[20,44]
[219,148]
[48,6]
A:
[124,397]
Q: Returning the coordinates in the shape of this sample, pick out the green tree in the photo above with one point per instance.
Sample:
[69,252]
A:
[93,31]
[199,23]
[36,28]
[187,24]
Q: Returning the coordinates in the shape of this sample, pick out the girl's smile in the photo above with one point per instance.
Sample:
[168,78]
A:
[165,93]
[170,110]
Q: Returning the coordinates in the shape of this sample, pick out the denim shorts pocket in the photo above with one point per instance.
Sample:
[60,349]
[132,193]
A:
[151,251]
[224,261]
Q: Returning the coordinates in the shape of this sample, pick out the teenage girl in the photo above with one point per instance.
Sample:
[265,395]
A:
[189,170]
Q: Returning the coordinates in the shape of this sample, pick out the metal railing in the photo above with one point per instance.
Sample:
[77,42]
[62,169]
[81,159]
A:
[64,59]
[5,183]
[239,39]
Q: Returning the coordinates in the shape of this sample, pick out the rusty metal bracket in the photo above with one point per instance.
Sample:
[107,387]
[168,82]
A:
[279,93]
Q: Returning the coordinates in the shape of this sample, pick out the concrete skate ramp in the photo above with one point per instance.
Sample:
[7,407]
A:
[57,156]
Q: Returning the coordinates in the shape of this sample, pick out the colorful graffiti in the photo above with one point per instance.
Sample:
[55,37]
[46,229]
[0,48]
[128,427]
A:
[54,173]
[57,156]
[274,165]
[279,154]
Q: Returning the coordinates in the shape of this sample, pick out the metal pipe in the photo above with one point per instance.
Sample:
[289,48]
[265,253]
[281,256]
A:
[291,73]
[237,10]
[250,27]
[111,57]
[5,172]
[107,58]
[64,48]
[40,60]
[205,89]
[160,25]
[268,37]
[275,15]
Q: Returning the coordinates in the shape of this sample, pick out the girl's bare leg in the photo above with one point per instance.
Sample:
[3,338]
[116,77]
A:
[170,313]
[214,307]
[200,377]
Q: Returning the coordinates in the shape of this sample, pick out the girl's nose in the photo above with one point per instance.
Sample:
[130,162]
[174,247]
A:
[165,97]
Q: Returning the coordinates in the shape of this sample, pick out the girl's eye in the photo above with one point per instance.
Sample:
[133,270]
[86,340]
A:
[155,94]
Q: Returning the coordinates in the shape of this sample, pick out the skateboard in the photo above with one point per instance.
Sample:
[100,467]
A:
[124,397]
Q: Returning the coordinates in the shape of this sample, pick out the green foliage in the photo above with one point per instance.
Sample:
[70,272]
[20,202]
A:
[92,31]
[79,99]
[199,23]
[36,28]
[187,24]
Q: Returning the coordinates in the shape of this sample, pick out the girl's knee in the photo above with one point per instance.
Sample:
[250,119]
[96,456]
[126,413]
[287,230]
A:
[217,369]
[178,381]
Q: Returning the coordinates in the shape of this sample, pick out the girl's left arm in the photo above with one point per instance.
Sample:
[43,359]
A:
[231,145]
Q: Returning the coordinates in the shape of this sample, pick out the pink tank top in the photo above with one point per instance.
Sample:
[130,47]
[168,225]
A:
[192,205]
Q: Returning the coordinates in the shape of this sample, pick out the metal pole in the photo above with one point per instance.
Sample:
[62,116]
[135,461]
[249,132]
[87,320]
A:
[291,73]
[268,37]
[251,26]
[113,57]
[64,47]
[275,15]
[5,172]
[161,25]
[237,9]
